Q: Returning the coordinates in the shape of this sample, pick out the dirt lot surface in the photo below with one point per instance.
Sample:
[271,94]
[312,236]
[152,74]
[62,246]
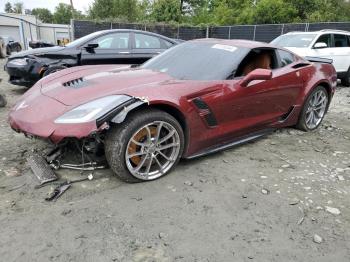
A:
[282,198]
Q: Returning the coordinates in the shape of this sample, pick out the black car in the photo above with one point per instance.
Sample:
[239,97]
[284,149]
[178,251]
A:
[119,46]
[11,45]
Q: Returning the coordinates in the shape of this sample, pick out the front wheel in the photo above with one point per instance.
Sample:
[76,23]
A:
[144,147]
[314,109]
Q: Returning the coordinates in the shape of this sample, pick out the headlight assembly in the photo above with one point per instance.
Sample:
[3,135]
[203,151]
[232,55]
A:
[92,110]
[19,61]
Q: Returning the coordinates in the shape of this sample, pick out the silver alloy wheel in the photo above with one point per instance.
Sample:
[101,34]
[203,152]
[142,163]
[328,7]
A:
[152,150]
[316,109]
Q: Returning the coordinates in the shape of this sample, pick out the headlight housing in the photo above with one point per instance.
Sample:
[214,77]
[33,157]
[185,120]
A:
[19,61]
[92,110]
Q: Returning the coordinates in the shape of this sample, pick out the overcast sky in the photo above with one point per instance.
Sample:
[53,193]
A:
[81,5]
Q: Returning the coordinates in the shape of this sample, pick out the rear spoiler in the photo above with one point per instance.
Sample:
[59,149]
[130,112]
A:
[318,59]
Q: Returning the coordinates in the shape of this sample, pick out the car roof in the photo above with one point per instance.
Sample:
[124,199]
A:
[320,32]
[236,42]
[138,31]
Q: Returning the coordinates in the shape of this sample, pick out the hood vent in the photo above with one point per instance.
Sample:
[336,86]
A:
[75,83]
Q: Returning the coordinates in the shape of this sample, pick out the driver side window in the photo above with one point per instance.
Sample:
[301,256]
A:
[113,41]
[257,59]
[327,39]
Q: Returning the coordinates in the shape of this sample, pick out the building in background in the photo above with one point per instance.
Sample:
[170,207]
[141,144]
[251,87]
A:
[26,28]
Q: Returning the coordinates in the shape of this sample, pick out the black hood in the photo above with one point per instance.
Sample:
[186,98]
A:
[39,51]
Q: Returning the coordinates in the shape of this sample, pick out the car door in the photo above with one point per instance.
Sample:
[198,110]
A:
[340,52]
[113,48]
[146,46]
[263,102]
[323,52]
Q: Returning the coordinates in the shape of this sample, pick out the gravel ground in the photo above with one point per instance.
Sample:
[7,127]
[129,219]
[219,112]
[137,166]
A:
[282,198]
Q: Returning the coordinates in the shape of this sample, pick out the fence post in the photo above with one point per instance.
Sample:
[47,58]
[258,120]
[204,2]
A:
[282,29]
[111,25]
[178,31]
[254,32]
[229,32]
[207,32]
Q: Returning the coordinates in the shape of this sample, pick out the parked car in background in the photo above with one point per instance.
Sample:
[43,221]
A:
[197,98]
[119,46]
[331,44]
[11,45]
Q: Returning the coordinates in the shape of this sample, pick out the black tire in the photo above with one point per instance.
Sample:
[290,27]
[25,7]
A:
[53,69]
[118,136]
[2,49]
[8,50]
[18,48]
[302,117]
[345,81]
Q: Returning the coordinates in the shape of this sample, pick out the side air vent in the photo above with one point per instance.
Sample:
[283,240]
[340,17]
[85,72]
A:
[75,83]
[205,112]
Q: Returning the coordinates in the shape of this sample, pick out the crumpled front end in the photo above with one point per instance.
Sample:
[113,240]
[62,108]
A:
[37,119]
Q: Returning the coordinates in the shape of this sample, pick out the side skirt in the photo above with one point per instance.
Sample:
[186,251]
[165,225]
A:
[236,142]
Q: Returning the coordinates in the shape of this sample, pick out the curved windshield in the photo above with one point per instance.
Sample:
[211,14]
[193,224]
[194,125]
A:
[198,61]
[83,39]
[296,40]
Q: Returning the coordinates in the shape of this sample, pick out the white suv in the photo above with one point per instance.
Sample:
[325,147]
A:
[331,44]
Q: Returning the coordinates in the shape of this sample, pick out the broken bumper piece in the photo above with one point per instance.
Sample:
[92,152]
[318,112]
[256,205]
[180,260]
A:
[41,169]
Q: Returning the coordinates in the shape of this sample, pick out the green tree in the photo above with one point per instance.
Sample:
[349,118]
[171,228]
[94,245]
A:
[166,11]
[127,10]
[330,10]
[63,14]
[8,8]
[101,9]
[43,14]
[274,12]
[18,8]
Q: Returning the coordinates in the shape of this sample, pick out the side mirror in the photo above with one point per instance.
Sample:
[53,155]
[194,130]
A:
[320,45]
[90,47]
[257,74]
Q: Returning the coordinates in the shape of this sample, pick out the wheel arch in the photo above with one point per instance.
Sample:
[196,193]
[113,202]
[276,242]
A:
[324,83]
[172,110]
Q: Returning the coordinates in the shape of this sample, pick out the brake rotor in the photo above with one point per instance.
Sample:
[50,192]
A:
[141,137]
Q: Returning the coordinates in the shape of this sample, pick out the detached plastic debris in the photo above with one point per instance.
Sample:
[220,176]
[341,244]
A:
[41,169]
[60,189]
[57,192]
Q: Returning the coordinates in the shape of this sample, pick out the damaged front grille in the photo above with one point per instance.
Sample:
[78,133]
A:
[75,83]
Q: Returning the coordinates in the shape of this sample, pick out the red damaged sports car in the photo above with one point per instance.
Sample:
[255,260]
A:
[194,99]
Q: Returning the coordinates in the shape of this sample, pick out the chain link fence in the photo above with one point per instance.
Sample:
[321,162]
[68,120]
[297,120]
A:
[264,33]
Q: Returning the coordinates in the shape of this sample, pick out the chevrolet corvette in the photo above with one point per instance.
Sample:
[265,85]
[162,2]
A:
[196,98]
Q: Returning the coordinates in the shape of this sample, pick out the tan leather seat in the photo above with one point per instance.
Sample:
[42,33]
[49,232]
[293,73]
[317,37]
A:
[262,60]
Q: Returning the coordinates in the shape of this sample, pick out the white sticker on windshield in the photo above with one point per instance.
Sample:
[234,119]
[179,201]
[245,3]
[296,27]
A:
[225,47]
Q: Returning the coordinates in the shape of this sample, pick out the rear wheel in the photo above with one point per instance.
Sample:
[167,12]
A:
[18,48]
[2,49]
[345,81]
[144,147]
[314,109]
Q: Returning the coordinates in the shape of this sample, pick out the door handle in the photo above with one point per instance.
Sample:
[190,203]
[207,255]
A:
[124,52]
